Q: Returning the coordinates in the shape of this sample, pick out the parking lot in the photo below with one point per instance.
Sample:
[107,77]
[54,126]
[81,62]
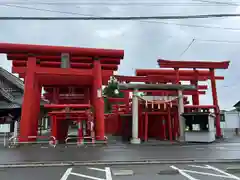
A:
[128,172]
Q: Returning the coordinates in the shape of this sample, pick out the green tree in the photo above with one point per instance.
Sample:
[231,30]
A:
[111,90]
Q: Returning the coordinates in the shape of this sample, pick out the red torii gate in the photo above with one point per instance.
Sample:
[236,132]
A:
[164,79]
[184,75]
[199,65]
[39,68]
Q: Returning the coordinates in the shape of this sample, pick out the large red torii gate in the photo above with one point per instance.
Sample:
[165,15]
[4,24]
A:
[199,65]
[39,66]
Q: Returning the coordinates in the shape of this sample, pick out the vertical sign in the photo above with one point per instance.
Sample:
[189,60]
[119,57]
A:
[65,60]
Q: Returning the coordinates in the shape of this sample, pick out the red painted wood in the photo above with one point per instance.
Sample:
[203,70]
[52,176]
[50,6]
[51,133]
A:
[57,50]
[193,64]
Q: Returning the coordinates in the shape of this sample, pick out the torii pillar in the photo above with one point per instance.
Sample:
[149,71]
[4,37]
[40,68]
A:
[135,139]
[181,119]
[31,103]
[98,102]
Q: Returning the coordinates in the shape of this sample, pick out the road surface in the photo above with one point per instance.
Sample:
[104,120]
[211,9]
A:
[121,152]
[143,172]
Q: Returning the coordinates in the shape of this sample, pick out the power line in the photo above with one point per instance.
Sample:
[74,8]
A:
[158,22]
[218,3]
[125,18]
[47,10]
[121,3]
[207,40]
[192,25]
[190,44]
[218,41]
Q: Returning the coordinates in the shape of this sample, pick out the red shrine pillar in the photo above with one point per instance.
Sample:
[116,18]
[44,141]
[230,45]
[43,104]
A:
[98,100]
[195,97]
[163,124]
[36,110]
[29,102]
[54,132]
[215,102]
[146,126]
[54,121]
[126,100]
[169,123]
[87,95]
[80,132]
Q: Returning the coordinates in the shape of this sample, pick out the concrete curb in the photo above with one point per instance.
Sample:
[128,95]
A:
[111,163]
[233,169]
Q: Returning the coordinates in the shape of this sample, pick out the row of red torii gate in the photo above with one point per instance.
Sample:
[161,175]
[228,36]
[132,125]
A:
[73,77]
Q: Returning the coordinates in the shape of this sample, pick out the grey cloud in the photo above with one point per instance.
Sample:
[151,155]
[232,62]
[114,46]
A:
[143,42]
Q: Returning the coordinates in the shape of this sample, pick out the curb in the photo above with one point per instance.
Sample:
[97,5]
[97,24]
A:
[111,163]
[233,169]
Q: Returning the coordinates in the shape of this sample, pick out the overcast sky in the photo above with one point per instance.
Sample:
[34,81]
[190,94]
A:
[143,42]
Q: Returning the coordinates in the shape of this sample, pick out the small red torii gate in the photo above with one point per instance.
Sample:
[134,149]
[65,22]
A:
[184,75]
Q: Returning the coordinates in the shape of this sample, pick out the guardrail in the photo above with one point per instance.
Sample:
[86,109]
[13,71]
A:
[13,141]
[81,141]
[78,142]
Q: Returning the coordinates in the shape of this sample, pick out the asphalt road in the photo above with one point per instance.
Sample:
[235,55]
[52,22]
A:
[121,152]
[143,172]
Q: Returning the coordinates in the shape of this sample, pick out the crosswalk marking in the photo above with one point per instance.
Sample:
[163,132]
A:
[223,172]
[186,172]
[88,177]
[66,174]
[107,171]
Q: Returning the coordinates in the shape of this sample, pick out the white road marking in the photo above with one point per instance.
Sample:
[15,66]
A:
[85,176]
[97,169]
[207,174]
[220,148]
[108,173]
[196,166]
[122,172]
[66,174]
[183,173]
[223,172]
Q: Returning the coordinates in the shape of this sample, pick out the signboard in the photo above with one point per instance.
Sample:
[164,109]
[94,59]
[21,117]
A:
[5,128]
[65,60]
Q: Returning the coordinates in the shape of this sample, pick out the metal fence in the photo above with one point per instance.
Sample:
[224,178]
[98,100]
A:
[84,140]
[14,141]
